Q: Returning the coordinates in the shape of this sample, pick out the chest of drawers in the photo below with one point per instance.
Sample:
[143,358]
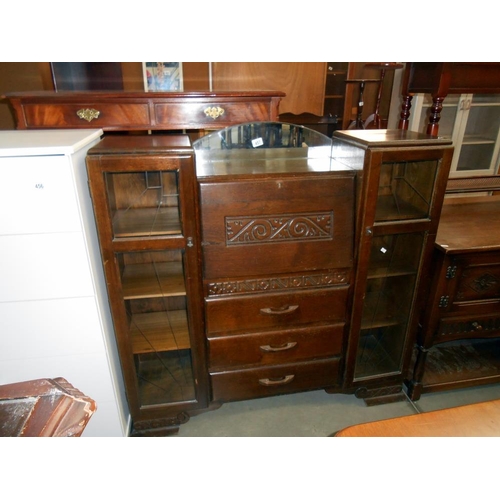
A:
[277,246]
[458,343]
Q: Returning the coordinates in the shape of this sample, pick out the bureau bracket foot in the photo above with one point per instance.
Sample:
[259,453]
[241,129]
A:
[381,395]
[159,427]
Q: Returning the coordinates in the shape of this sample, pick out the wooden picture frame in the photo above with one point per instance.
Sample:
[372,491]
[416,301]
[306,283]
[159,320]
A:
[162,76]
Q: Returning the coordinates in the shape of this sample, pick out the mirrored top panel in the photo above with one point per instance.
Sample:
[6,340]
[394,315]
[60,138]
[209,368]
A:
[264,147]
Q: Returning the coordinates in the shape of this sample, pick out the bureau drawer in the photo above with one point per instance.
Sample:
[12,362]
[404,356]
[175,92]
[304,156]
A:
[286,225]
[468,327]
[274,380]
[87,115]
[276,347]
[275,310]
[210,114]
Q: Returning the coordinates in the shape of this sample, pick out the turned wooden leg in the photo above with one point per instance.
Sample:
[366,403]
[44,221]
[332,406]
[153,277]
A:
[437,106]
[404,117]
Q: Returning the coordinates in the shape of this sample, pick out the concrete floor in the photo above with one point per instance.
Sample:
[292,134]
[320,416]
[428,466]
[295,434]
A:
[316,413]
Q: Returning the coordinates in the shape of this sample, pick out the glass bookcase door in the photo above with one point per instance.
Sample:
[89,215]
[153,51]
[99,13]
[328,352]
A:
[144,204]
[405,190]
[480,143]
[154,291]
[389,295]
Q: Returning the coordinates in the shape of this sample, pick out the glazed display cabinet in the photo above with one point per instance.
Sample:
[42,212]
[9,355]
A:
[143,189]
[472,122]
[401,180]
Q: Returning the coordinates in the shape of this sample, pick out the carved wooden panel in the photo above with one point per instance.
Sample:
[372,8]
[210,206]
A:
[269,229]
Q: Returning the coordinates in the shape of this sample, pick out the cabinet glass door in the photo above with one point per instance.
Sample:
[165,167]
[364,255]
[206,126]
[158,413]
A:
[472,121]
[154,291]
[405,194]
[392,274]
[405,190]
[480,143]
[144,204]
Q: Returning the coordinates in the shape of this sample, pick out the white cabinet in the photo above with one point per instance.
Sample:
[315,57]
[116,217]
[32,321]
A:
[54,311]
[472,121]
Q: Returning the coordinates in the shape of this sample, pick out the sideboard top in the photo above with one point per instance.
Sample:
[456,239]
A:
[77,95]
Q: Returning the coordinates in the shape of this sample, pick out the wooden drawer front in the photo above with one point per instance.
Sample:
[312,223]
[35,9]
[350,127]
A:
[276,347]
[210,114]
[93,114]
[260,227]
[275,310]
[274,380]
[477,281]
[468,328]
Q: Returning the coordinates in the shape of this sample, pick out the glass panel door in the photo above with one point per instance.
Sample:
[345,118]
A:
[480,144]
[144,204]
[154,291]
[405,190]
[389,294]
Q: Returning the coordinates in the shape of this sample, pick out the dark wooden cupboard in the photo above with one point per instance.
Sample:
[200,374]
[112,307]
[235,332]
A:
[401,183]
[458,336]
[144,194]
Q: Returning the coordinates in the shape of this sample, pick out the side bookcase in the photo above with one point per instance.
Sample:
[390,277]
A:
[143,190]
[401,181]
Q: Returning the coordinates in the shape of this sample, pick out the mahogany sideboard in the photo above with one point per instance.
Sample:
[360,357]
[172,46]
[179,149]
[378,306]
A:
[442,78]
[458,341]
[122,111]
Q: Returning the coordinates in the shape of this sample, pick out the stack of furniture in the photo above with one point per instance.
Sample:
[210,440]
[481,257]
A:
[260,260]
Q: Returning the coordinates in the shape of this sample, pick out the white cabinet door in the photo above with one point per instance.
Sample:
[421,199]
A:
[37,195]
[44,266]
[472,122]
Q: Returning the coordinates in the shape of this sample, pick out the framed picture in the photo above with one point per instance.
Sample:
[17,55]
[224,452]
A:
[162,76]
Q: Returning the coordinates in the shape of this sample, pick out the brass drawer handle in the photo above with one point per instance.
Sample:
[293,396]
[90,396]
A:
[279,310]
[276,381]
[214,112]
[285,347]
[88,114]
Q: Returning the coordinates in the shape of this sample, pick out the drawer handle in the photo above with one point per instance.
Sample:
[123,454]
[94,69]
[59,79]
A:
[279,310]
[284,347]
[276,381]
[88,114]
[214,112]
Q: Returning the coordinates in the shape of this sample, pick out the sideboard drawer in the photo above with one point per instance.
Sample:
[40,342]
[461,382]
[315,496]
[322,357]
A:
[212,114]
[468,327]
[274,380]
[275,310]
[276,347]
[87,115]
